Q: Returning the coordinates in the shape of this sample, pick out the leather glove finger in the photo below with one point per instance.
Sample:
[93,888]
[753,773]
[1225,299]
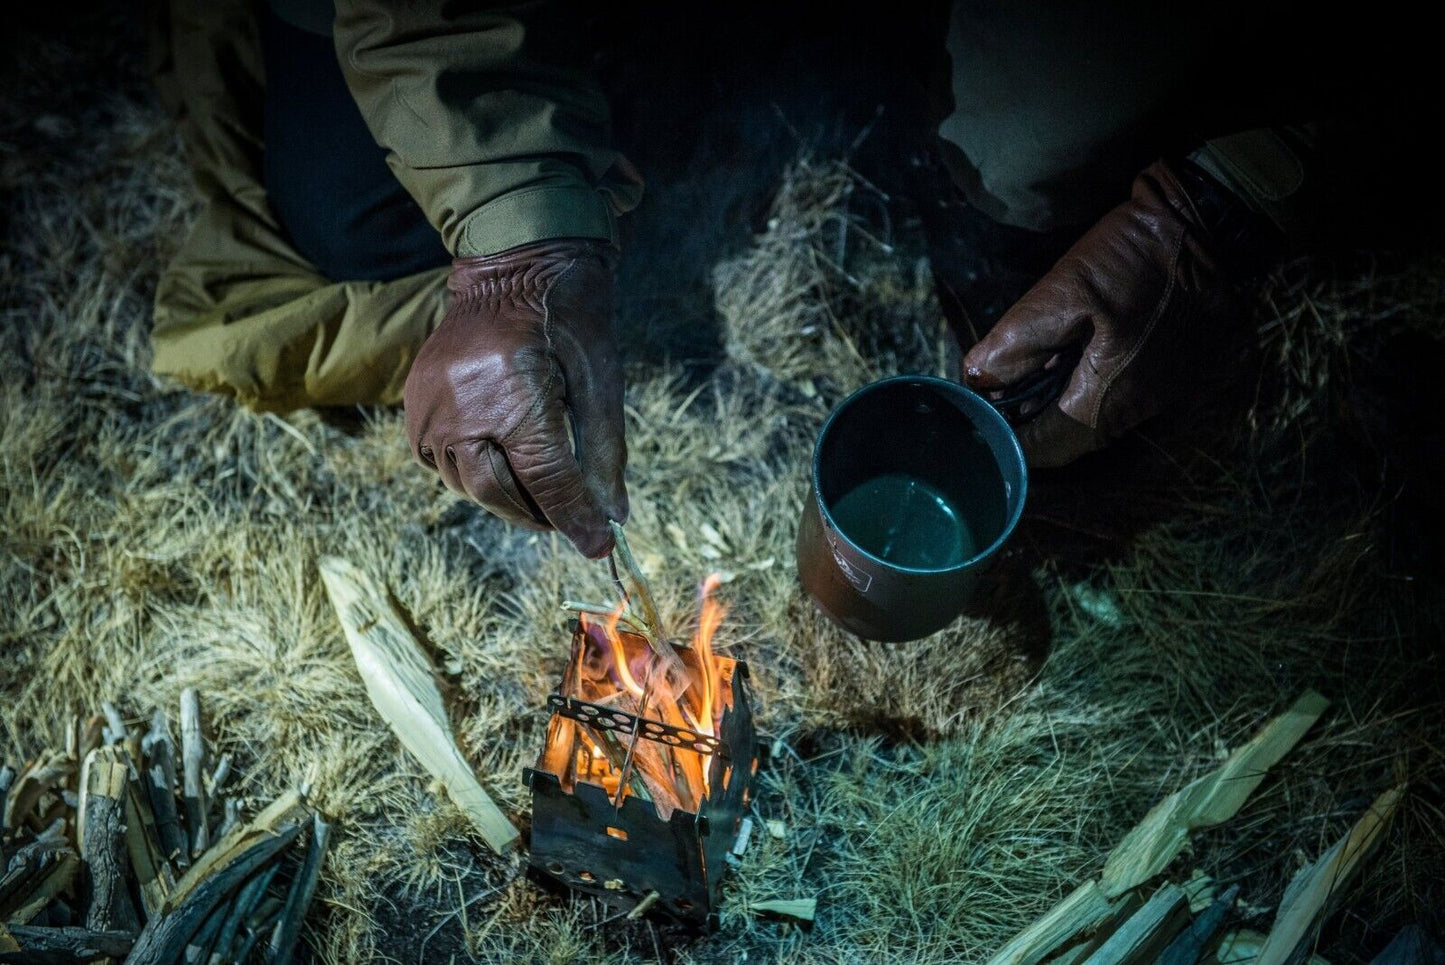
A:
[596,410]
[1039,326]
[435,457]
[541,457]
[1054,438]
[487,479]
[442,459]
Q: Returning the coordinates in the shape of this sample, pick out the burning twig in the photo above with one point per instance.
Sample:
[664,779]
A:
[675,678]
[625,620]
[636,736]
[640,588]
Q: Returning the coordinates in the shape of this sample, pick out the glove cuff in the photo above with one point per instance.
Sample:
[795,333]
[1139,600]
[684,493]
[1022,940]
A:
[523,274]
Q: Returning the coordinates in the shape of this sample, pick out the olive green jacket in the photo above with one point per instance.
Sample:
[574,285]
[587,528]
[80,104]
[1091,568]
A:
[489,119]
[490,124]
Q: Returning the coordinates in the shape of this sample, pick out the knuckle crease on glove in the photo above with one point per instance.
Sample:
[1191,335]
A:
[493,453]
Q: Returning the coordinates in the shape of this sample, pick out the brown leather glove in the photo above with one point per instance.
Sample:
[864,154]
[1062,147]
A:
[527,343]
[1142,299]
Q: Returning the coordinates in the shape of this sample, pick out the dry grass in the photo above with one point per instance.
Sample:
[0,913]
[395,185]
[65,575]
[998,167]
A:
[936,796]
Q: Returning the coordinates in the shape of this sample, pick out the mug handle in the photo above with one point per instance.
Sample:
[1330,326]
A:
[1044,386]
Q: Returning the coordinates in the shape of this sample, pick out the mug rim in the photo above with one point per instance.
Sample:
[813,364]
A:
[948,385]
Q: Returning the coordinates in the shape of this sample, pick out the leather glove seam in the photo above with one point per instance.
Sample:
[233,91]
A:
[1159,309]
[553,369]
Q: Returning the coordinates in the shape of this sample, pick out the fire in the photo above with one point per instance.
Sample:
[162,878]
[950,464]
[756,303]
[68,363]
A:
[608,671]
[710,617]
[619,653]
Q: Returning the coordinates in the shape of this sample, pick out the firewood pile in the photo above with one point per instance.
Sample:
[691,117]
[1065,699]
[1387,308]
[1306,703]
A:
[125,846]
[1126,918]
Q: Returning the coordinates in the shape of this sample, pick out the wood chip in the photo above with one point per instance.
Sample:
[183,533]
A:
[35,780]
[1311,894]
[710,533]
[1242,948]
[1212,799]
[193,758]
[401,683]
[115,729]
[104,848]
[800,910]
[1139,940]
[745,834]
[641,908]
[1083,910]
[1200,889]
[1189,947]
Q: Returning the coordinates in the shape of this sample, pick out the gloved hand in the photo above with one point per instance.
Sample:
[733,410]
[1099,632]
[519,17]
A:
[527,343]
[1143,300]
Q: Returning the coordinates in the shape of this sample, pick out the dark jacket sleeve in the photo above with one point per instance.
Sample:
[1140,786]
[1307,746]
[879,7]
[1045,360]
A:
[489,117]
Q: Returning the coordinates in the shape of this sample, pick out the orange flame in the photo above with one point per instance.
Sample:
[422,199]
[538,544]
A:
[710,618]
[696,710]
[619,653]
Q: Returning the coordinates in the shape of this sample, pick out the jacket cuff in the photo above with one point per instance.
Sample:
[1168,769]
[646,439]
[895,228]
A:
[1265,168]
[536,214]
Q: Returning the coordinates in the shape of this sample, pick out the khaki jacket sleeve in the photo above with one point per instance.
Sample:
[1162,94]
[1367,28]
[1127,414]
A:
[1267,168]
[489,119]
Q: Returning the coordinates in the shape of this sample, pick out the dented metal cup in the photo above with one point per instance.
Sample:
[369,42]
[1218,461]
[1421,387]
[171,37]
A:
[917,482]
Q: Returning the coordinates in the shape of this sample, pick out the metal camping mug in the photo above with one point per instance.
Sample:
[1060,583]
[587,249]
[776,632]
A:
[917,482]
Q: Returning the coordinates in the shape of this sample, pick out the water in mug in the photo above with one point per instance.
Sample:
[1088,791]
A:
[904,520]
